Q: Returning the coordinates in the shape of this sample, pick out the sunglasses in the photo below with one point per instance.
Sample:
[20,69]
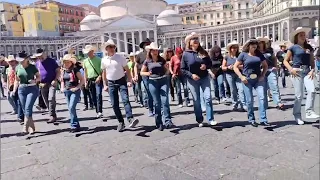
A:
[195,39]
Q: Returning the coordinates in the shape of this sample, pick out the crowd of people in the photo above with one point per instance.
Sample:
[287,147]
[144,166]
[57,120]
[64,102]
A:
[182,72]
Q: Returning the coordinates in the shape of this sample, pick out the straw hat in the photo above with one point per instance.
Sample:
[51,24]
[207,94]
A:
[69,57]
[132,54]
[283,45]
[263,39]
[110,42]
[190,36]
[153,46]
[232,43]
[10,58]
[88,48]
[297,31]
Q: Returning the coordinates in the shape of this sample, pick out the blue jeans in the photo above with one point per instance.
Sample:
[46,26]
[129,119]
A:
[28,96]
[196,87]
[283,76]
[272,84]
[96,94]
[218,84]
[16,105]
[114,88]
[1,87]
[159,89]
[236,88]
[259,87]
[177,82]
[146,86]
[72,101]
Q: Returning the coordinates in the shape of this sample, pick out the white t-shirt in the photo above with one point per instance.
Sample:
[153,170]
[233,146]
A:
[114,66]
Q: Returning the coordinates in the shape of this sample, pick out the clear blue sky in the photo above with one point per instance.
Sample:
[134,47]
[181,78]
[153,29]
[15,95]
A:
[92,2]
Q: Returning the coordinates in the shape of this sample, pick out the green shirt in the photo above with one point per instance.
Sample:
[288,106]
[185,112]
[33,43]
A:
[26,74]
[92,71]
[130,65]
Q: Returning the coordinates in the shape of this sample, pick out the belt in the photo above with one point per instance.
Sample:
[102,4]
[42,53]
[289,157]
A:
[301,66]
[155,78]
[118,80]
[27,85]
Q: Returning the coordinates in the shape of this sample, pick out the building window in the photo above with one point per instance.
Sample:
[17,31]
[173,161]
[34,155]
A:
[77,13]
[247,5]
[218,22]
[67,19]
[218,15]
[66,11]
[60,10]
[81,13]
[239,6]
[211,16]
[62,19]
[204,16]
[39,16]
[239,15]
[198,17]
[40,26]
[247,14]
[224,15]
[74,28]
[211,23]
[71,11]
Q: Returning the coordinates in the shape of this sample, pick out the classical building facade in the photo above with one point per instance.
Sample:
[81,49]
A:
[132,23]
[10,20]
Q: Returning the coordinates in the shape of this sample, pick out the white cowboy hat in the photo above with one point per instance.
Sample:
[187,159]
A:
[283,44]
[10,58]
[297,31]
[161,54]
[153,46]
[138,52]
[2,58]
[190,36]
[110,42]
[88,48]
[232,43]
[69,57]
[132,54]
[263,39]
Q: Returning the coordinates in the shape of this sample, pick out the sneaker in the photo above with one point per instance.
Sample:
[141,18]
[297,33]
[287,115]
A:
[269,99]
[133,122]
[160,127]
[74,130]
[180,105]
[311,115]
[91,108]
[151,114]
[213,122]
[245,108]
[13,113]
[235,107]
[85,109]
[121,127]
[141,106]
[99,115]
[200,124]
[299,121]
[38,107]
[52,120]
[215,102]
[254,124]
[265,124]
[169,124]
[21,121]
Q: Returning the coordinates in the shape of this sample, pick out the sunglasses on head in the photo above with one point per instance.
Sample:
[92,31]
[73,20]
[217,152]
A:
[195,39]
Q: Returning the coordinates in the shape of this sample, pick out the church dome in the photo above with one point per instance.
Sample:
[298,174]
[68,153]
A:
[169,17]
[90,22]
[110,9]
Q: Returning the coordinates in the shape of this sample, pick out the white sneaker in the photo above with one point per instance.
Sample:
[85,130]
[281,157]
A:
[200,124]
[269,99]
[99,115]
[213,122]
[180,105]
[299,121]
[312,115]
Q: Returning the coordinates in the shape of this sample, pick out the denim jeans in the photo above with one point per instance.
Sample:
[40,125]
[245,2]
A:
[28,96]
[86,96]
[146,86]
[272,84]
[196,87]
[159,89]
[177,83]
[283,76]
[236,88]
[114,88]
[96,95]
[72,101]
[138,90]
[1,87]
[299,83]
[16,105]
[218,84]
[248,91]
[48,94]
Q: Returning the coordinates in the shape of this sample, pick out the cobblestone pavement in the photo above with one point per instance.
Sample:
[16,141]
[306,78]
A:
[231,150]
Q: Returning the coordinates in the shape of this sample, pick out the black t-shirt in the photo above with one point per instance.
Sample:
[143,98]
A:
[70,78]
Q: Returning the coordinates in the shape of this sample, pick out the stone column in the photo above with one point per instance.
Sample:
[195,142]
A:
[273,32]
[225,39]
[279,32]
[118,42]
[207,44]
[125,42]
[268,31]
[155,36]
[148,34]
[140,36]
[133,42]
[5,50]
[181,42]
[102,38]
[261,33]
[219,39]
[238,36]
[175,42]
[212,40]
[231,35]
[250,33]
[255,32]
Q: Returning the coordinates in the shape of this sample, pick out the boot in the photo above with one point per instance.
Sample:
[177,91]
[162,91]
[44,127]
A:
[25,128]
[32,126]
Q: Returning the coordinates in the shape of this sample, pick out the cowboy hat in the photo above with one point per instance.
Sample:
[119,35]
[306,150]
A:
[10,58]
[232,43]
[138,52]
[38,53]
[283,44]
[132,54]
[22,56]
[297,31]
[147,41]
[153,46]
[88,48]
[110,42]
[33,57]
[263,39]
[250,41]
[190,36]
[69,57]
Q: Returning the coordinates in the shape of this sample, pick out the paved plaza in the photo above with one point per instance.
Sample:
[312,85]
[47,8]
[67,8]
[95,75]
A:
[232,150]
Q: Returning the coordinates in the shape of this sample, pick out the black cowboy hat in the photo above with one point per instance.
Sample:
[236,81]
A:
[39,52]
[22,56]
[144,42]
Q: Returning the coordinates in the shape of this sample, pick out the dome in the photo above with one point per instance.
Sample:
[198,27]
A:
[169,17]
[90,22]
[110,9]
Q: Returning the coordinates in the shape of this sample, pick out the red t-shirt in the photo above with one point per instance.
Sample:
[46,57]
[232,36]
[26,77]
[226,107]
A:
[176,65]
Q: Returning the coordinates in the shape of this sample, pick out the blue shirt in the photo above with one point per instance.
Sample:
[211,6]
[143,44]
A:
[251,64]
[157,69]
[191,63]
[300,56]
[269,59]
[230,61]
